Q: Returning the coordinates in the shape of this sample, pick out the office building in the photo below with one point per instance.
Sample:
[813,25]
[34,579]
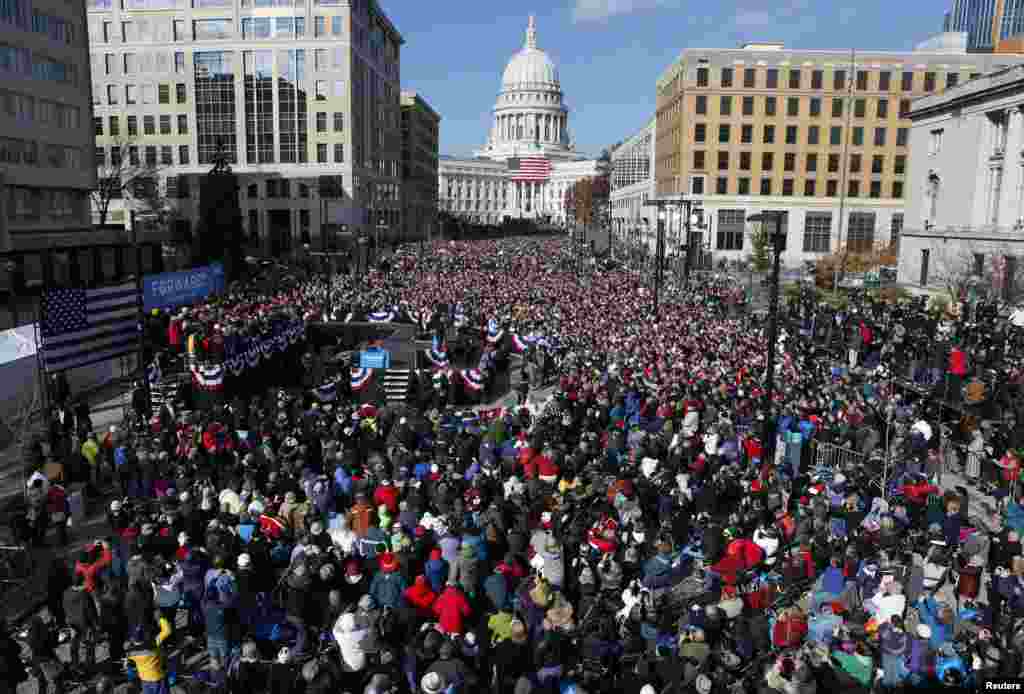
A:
[632,182]
[529,160]
[285,91]
[420,138]
[965,188]
[821,135]
[46,169]
[991,25]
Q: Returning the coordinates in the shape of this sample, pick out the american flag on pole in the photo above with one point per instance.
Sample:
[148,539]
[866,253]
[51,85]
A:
[530,168]
[84,326]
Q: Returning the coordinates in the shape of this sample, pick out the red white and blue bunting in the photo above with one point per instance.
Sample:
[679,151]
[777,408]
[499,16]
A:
[209,377]
[473,378]
[381,316]
[360,378]
[438,356]
[253,350]
[521,343]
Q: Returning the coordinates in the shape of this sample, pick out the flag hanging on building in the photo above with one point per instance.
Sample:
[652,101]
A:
[84,326]
[530,168]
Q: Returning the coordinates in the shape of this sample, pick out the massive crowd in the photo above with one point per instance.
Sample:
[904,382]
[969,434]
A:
[644,525]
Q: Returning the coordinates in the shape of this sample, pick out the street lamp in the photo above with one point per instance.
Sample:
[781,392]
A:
[777,240]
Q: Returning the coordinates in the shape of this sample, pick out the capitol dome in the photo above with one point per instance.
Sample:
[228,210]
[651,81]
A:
[530,66]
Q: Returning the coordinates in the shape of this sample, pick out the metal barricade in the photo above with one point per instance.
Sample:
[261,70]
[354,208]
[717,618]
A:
[835,457]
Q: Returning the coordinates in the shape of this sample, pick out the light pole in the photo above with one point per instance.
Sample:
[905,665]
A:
[778,245]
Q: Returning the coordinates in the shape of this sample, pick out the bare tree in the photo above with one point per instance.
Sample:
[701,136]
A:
[124,174]
[981,270]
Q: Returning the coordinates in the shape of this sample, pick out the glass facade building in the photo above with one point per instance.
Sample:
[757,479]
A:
[990,25]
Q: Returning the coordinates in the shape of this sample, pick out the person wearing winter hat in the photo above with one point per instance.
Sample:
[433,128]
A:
[388,585]
[420,597]
[452,609]
[436,570]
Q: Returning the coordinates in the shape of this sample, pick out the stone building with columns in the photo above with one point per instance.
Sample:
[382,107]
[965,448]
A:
[530,130]
[965,188]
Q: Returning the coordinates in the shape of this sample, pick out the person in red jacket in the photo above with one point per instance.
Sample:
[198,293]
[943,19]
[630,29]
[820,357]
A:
[92,561]
[386,495]
[452,609]
[421,597]
[955,373]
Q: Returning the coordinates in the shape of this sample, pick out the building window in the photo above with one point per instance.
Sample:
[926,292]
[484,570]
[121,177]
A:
[697,185]
[115,126]
[743,186]
[818,232]
[726,76]
[862,80]
[148,125]
[165,125]
[767,161]
[166,158]
[723,133]
[859,108]
[723,161]
[700,105]
[952,78]
[809,188]
[854,163]
[794,79]
[858,137]
[339,152]
[833,163]
[748,106]
[815,107]
[904,108]
[150,155]
[907,81]
[769,134]
[789,162]
[321,90]
[731,229]
[875,190]
[817,78]
[813,135]
[860,237]
[792,133]
[877,164]
[812,163]
[97,124]
[163,94]
[698,159]
[839,80]
[793,106]
[766,186]
[835,135]
[853,189]
[101,156]
[831,188]
[179,63]
[897,190]
[769,106]
[321,122]
[929,82]
[787,187]
[749,77]
[700,132]
[722,185]
[883,108]
[925,258]
[725,106]
[339,121]
[772,78]
[702,77]
[745,158]
[183,154]
[899,166]
[901,137]
[884,79]
[182,124]
[215,106]
[746,134]
[896,229]
[837,107]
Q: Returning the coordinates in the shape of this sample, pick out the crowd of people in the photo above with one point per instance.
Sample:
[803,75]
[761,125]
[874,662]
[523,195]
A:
[648,523]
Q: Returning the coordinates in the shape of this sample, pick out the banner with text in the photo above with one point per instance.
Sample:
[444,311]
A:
[174,289]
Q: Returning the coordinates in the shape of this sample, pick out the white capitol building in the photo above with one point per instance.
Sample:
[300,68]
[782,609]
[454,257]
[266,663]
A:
[530,122]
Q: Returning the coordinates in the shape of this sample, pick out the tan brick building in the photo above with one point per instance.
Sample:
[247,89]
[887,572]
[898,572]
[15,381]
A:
[822,135]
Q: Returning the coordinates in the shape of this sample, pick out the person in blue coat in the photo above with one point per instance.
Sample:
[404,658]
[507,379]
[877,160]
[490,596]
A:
[939,619]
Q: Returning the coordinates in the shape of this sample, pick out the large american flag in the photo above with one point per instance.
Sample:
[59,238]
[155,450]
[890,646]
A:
[530,169]
[84,326]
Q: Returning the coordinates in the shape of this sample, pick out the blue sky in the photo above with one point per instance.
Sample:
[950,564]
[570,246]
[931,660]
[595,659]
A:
[610,52]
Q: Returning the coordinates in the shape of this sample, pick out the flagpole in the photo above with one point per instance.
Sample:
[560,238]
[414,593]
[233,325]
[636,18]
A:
[139,306]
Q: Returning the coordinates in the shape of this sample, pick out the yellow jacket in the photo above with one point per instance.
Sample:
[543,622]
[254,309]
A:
[148,661]
[90,449]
